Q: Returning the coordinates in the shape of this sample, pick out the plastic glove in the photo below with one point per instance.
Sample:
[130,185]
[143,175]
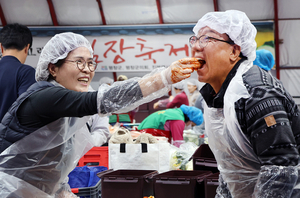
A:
[181,69]
[276,181]
[222,190]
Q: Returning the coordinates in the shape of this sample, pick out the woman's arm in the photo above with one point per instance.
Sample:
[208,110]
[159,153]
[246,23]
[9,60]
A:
[52,103]
[126,95]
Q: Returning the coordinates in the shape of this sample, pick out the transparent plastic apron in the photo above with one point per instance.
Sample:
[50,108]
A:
[236,159]
[36,165]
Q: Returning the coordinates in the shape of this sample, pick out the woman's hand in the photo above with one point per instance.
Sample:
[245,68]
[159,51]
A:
[182,69]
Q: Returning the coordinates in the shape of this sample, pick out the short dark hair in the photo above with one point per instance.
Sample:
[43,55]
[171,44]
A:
[177,88]
[15,36]
[186,118]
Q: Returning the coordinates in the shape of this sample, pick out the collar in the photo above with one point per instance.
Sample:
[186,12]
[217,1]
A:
[10,57]
[214,99]
[56,83]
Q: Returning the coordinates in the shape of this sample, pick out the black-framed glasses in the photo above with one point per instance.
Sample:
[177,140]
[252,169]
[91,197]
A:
[92,65]
[204,39]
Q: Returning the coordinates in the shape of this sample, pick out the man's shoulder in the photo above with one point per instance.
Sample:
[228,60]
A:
[13,64]
[25,67]
[26,73]
[256,77]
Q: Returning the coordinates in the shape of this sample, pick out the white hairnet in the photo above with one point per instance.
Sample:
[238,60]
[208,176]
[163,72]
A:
[236,25]
[179,85]
[193,81]
[122,77]
[58,47]
[106,80]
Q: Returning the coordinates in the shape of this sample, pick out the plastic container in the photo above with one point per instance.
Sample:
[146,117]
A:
[97,156]
[127,183]
[204,159]
[211,184]
[179,184]
[85,176]
[88,192]
[191,136]
[84,181]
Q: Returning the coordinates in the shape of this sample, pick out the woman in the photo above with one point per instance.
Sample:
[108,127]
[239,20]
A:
[192,86]
[172,120]
[174,102]
[44,133]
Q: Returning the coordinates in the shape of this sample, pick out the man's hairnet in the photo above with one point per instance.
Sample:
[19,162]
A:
[179,85]
[236,25]
[264,59]
[194,114]
[57,48]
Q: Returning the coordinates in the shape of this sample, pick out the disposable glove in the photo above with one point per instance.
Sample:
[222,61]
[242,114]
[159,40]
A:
[181,69]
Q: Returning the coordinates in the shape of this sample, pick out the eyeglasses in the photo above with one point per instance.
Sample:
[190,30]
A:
[203,41]
[92,65]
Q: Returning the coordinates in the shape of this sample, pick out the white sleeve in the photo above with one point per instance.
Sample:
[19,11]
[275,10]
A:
[99,129]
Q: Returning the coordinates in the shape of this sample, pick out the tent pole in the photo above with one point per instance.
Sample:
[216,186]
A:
[216,5]
[276,32]
[52,12]
[3,20]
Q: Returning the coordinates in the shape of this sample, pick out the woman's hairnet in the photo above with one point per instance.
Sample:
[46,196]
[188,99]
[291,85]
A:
[264,59]
[179,85]
[58,47]
[236,25]
[194,114]
[193,81]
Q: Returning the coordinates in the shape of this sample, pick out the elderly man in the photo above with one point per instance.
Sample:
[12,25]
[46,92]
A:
[250,119]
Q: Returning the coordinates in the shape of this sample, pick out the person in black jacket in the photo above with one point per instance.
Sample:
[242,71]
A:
[251,120]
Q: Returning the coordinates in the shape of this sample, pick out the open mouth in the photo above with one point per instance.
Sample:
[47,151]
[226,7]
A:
[202,62]
[84,80]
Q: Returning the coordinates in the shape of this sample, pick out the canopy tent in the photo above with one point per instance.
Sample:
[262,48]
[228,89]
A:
[160,18]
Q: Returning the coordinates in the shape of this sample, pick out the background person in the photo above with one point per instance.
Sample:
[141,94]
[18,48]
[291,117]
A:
[122,78]
[106,80]
[200,130]
[127,117]
[44,133]
[174,101]
[174,121]
[264,59]
[192,86]
[250,119]
[99,128]
[15,76]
